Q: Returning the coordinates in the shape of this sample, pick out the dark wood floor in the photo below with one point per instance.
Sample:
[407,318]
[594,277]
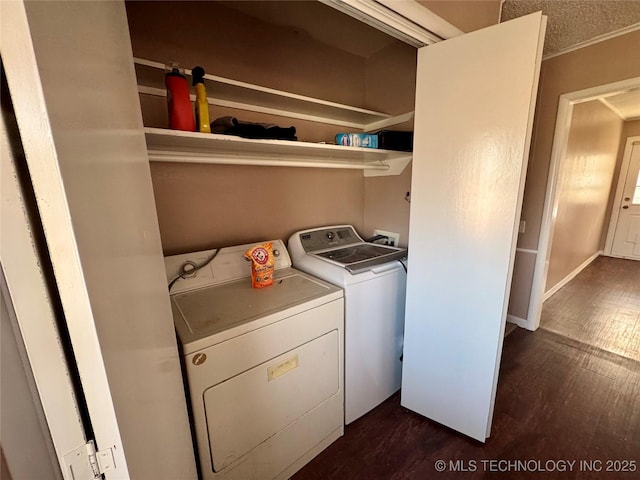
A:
[568,392]
[600,307]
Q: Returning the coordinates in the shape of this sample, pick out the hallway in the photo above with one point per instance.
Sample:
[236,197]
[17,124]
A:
[567,392]
[600,307]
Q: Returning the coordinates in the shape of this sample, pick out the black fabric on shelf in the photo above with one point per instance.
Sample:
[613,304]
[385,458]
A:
[233,126]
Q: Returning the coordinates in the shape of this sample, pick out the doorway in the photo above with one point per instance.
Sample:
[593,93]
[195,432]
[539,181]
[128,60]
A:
[561,138]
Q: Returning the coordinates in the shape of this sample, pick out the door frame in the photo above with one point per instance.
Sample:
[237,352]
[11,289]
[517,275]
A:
[35,319]
[617,200]
[408,21]
[550,209]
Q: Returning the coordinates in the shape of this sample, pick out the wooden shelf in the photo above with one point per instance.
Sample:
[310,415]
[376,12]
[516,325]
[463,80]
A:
[194,147]
[245,96]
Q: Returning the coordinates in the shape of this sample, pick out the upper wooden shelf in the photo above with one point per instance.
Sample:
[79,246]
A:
[245,96]
[194,147]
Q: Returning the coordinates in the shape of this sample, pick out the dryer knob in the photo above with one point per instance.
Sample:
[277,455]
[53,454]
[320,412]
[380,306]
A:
[276,253]
[330,235]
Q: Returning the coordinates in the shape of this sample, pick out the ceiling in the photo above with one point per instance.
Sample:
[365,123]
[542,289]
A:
[312,18]
[571,22]
[626,105]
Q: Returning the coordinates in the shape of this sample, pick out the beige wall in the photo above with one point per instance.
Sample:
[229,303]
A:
[523,270]
[5,474]
[467,15]
[230,44]
[630,129]
[586,176]
[385,206]
[22,417]
[390,79]
[605,62]
[206,206]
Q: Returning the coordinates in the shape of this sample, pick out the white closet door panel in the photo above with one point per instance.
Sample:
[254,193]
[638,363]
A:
[69,66]
[35,354]
[474,110]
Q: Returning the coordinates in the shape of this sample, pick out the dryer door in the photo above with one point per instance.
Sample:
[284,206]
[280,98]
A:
[248,409]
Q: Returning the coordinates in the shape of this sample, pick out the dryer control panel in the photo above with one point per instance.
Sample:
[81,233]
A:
[212,267]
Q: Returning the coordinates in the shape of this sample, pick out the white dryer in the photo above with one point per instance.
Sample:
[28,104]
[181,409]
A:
[374,282]
[264,367]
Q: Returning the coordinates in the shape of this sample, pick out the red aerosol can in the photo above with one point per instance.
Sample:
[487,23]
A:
[180,112]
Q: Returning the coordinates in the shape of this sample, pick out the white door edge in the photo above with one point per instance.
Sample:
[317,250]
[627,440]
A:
[24,82]
[527,150]
[36,322]
[558,152]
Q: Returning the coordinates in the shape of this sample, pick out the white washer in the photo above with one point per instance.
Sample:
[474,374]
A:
[374,283]
[264,367]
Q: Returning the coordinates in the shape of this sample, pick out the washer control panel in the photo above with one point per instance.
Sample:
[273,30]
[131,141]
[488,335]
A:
[329,237]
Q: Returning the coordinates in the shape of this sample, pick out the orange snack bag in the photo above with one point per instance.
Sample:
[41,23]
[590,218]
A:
[262,264]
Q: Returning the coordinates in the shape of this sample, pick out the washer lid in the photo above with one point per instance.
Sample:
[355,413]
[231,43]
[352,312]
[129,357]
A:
[211,310]
[363,256]
[342,246]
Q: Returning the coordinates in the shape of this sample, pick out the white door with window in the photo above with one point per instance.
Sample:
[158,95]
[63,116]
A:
[626,236]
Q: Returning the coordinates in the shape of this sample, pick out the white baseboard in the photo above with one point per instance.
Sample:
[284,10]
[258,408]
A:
[571,276]
[521,322]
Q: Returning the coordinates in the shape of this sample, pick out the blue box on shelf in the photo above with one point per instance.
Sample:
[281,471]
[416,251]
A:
[363,140]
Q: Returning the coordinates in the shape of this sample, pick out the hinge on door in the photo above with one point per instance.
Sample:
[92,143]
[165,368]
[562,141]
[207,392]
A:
[84,463]
[93,461]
